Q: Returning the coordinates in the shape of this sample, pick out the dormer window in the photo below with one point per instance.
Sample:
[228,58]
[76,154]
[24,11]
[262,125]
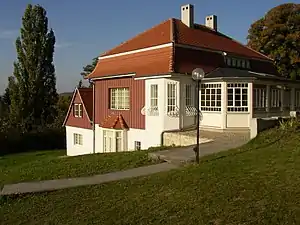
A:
[78,110]
[238,63]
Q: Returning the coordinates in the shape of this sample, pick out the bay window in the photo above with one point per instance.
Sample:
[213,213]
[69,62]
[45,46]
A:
[211,97]
[171,97]
[153,110]
[237,97]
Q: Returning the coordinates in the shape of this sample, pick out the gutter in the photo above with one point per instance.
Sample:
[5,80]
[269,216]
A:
[94,139]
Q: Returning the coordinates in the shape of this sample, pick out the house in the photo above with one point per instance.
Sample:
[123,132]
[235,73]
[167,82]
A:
[143,88]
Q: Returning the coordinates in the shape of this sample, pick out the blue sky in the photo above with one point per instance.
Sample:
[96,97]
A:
[84,29]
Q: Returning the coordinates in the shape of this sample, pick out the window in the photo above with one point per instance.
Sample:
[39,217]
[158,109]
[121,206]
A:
[171,102]
[233,62]
[119,98]
[243,64]
[188,95]
[78,110]
[137,145]
[211,97]
[297,99]
[118,141]
[239,63]
[153,110]
[237,97]
[77,139]
[259,98]
[275,98]
[248,64]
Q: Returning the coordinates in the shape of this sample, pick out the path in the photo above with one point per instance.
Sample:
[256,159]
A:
[50,185]
[222,141]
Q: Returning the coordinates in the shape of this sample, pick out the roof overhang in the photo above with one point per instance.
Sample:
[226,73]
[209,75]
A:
[112,76]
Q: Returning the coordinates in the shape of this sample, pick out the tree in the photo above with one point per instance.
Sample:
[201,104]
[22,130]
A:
[277,35]
[5,100]
[89,68]
[33,86]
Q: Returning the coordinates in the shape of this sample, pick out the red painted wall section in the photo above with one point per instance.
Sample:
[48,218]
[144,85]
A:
[133,116]
[73,121]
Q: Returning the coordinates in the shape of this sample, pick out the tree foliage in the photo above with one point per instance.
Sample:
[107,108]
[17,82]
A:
[277,35]
[32,88]
[89,68]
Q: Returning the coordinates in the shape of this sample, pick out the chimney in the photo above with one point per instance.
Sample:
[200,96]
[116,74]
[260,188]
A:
[211,22]
[187,15]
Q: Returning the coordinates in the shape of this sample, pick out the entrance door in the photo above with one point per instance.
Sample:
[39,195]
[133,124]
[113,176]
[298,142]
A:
[108,141]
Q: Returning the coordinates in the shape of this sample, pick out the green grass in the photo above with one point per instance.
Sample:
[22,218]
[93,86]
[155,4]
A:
[256,184]
[52,165]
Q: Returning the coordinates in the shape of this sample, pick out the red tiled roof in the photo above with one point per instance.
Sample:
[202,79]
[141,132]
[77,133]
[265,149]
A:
[86,95]
[173,58]
[114,122]
[152,62]
[203,37]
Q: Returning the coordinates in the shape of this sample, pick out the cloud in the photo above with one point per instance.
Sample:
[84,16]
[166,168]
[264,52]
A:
[8,34]
[63,45]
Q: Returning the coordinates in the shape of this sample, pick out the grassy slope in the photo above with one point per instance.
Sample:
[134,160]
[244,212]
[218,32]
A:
[49,165]
[256,184]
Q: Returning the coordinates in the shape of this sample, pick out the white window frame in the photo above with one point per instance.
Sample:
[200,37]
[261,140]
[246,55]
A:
[275,98]
[297,98]
[137,145]
[112,135]
[77,139]
[211,97]
[153,109]
[119,98]
[78,110]
[171,97]
[188,95]
[259,98]
[241,90]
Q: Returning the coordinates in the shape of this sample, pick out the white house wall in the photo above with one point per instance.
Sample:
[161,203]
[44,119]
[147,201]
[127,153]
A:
[87,141]
[211,119]
[238,120]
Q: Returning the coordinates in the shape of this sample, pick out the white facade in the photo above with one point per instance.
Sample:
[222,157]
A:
[79,141]
[170,105]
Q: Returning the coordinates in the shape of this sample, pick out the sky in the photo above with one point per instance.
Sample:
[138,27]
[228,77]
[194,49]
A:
[85,29]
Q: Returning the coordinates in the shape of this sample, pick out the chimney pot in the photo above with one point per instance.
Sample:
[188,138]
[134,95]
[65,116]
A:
[211,22]
[187,15]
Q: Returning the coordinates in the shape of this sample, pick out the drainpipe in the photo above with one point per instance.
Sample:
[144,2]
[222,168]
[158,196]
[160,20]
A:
[94,109]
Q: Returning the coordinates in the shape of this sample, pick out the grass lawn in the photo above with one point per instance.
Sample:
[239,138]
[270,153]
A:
[256,184]
[51,165]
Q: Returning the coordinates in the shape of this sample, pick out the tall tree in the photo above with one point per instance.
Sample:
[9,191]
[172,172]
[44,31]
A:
[89,68]
[33,86]
[277,35]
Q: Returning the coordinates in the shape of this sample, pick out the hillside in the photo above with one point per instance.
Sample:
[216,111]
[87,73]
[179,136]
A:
[255,184]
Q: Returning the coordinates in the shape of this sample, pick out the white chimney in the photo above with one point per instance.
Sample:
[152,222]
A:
[187,15]
[211,22]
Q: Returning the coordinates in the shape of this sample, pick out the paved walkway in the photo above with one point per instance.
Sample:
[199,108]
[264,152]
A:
[222,141]
[50,185]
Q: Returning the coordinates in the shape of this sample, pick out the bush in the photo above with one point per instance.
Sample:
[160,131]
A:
[14,141]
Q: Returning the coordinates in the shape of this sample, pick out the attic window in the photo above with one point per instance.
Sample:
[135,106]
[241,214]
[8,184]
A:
[238,63]
[78,110]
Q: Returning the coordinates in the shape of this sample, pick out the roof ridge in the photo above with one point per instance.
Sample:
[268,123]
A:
[136,36]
